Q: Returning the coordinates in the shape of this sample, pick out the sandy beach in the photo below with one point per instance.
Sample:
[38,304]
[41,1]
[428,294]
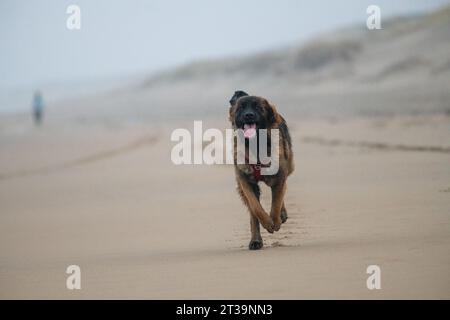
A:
[110,200]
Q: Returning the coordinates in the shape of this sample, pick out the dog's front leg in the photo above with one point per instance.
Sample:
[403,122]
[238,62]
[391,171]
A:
[256,242]
[278,191]
[255,207]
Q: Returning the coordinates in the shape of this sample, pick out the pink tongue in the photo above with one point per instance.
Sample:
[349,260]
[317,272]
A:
[249,130]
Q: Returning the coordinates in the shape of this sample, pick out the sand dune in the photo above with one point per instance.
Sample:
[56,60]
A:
[399,70]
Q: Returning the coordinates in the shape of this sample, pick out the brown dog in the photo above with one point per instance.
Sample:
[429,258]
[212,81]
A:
[251,113]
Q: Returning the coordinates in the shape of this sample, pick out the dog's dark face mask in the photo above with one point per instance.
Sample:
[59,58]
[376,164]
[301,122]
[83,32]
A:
[250,113]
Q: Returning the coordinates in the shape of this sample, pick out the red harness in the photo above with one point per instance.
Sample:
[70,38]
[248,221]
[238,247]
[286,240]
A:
[256,168]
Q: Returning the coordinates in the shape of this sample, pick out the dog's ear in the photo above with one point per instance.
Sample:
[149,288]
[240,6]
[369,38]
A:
[236,96]
[272,113]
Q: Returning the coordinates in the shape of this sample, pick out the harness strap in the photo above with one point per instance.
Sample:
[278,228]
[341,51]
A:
[256,171]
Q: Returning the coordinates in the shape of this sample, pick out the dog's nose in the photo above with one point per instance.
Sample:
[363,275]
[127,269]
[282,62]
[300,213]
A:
[249,116]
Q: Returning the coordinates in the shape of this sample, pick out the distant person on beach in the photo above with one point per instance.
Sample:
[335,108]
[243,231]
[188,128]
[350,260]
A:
[38,107]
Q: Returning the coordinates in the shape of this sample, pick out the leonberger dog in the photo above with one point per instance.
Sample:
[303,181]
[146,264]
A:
[250,114]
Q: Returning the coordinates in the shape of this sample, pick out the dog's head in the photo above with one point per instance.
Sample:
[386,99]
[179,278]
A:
[251,113]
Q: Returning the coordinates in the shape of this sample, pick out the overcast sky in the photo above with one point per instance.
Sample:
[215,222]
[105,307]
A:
[134,36]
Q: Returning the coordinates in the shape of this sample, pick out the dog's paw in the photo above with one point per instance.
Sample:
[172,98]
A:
[255,244]
[276,224]
[283,216]
[269,225]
